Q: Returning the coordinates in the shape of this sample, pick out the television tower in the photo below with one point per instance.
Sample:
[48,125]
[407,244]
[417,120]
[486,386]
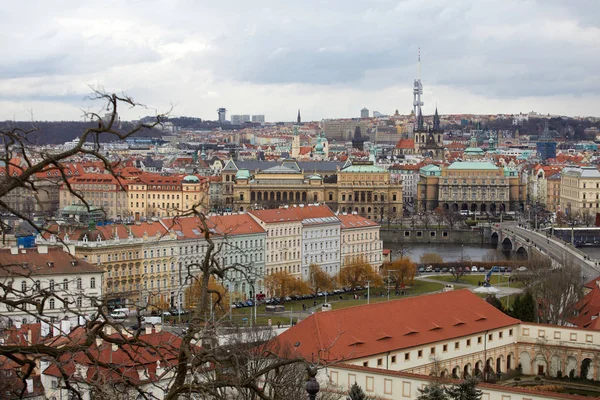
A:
[418,88]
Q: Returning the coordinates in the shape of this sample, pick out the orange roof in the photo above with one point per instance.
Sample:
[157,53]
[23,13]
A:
[277,215]
[456,146]
[53,262]
[405,144]
[366,330]
[304,150]
[588,310]
[353,221]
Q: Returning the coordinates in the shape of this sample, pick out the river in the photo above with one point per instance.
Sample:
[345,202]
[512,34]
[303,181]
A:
[449,252]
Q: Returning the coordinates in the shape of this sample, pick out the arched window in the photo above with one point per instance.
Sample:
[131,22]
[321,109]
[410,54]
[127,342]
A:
[79,285]
[65,284]
[37,285]
[51,304]
[92,283]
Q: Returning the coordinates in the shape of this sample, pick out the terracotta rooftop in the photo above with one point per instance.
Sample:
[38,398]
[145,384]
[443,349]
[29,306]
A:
[278,215]
[366,330]
[355,221]
[31,262]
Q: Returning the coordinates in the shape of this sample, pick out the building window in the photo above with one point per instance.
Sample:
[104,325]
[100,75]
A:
[79,302]
[406,356]
[468,342]
[500,334]
[51,284]
[432,350]
[479,340]
[490,337]
[79,285]
[51,304]
[379,362]
[23,286]
[65,284]
[510,332]
[365,363]
[393,359]
[445,348]
[92,283]
[420,353]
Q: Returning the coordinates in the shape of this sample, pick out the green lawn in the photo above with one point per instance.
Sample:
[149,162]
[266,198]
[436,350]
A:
[495,280]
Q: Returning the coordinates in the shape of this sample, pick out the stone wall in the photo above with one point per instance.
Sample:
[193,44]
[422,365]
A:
[434,235]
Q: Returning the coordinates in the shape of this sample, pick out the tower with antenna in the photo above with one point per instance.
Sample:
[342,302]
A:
[418,88]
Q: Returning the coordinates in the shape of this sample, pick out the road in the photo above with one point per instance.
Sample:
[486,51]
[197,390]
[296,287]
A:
[557,250]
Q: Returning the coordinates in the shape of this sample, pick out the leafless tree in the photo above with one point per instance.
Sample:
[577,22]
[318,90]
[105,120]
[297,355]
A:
[556,289]
[192,365]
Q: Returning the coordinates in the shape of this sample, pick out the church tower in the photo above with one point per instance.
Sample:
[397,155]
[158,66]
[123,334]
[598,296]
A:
[299,120]
[295,144]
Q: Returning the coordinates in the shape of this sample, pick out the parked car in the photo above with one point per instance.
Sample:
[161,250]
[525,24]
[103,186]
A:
[429,269]
[118,315]
[522,269]
[444,269]
[249,303]
[421,270]
[166,314]
[502,269]
[239,304]
[495,268]
[509,270]
[481,269]
[437,270]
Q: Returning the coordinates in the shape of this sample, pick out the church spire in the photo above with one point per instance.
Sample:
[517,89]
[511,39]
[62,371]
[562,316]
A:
[420,122]
[436,120]
[299,119]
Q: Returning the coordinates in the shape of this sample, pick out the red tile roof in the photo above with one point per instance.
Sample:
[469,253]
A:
[278,215]
[355,221]
[405,144]
[588,310]
[366,330]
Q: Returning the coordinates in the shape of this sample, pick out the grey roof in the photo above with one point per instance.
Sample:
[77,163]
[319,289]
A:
[318,166]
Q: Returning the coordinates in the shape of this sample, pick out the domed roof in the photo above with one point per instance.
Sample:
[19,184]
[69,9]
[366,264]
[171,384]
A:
[191,179]
[315,177]
[242,174]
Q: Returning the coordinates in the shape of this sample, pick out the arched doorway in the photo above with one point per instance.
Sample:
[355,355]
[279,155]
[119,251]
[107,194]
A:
[473,207]
[454,207]
[478,368]
[259,196]
[587,369]
[502,207]
[446,206]
[456,372]
[278,196]
[285,196]
[499,362]
[493,208]
[467,371]
[483,208]
[509,362]
[252,196]
[464,207]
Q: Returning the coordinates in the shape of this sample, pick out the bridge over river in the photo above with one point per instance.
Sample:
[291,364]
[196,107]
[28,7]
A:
[525,242]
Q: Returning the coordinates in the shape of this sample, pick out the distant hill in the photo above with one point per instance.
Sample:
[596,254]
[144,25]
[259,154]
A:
[58,132]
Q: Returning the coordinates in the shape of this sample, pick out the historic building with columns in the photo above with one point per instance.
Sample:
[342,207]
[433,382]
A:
[477,186]
[453,335]
[359,187]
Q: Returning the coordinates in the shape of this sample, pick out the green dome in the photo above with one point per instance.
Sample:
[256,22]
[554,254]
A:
[191,179]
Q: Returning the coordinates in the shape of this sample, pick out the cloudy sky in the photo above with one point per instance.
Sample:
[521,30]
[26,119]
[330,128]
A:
[328,58]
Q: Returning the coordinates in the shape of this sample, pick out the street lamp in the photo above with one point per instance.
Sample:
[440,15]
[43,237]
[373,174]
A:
[388,281]
[312,385]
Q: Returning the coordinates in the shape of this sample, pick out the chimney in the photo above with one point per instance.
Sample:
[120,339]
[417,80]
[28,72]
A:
[23,251]
[17,324]
[56,330]
[29,385]
[29,337]
[14,250]
[114,347]
[42,249]
[99,342]
[148,329]
[158,328]
[108,330]
[125,333]
[159,369]
[43,365]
